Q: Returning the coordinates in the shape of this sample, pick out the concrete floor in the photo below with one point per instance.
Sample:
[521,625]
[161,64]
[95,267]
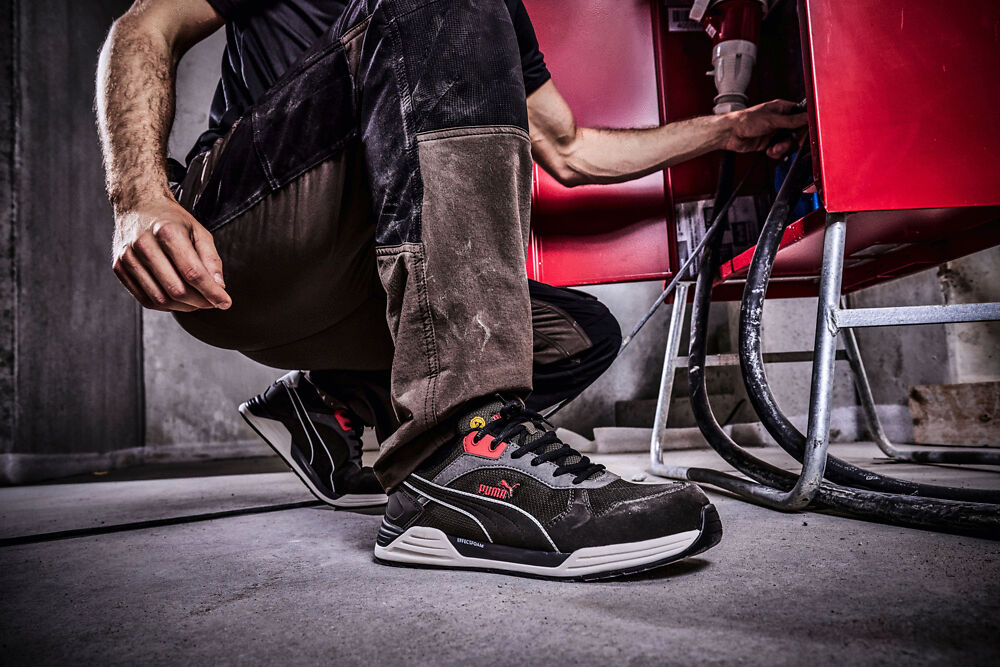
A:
[299,586]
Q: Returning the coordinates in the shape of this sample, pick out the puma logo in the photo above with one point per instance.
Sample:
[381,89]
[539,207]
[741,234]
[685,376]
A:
[502,492]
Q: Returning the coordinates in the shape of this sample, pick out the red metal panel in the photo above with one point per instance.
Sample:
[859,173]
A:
[905,101]
[601,56]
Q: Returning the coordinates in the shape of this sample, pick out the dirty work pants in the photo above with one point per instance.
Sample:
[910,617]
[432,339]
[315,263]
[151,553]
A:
[372,210]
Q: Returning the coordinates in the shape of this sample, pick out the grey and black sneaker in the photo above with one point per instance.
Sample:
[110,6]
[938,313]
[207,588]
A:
[320,444]
[507,495]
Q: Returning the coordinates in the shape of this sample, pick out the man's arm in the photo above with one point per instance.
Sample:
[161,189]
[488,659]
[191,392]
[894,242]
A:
[577,155]
[163,256]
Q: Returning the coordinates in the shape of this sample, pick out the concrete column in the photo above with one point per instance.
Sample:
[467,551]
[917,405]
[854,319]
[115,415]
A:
[70,356]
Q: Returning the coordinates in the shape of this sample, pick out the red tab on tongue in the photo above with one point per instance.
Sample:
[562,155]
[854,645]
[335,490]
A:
[487,446]
[342,419]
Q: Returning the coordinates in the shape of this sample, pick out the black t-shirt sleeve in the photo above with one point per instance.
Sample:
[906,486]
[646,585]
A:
[229,9]
[532,61]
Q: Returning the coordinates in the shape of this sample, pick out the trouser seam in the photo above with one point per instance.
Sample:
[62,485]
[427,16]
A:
[428,334]
[406,116]
[258,151]
[470,131]
[430,342]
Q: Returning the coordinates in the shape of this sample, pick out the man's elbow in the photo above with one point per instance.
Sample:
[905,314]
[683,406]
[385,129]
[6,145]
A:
[557,155]
[564,174]
[136,30]
[130,24]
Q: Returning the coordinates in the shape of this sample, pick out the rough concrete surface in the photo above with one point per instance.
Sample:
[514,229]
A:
[300,586]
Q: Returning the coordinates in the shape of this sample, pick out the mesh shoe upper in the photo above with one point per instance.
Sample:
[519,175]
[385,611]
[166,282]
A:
[507,479]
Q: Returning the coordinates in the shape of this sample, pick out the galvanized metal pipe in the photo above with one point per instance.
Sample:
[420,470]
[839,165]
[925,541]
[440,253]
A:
[897,316]
[779,489]
[674,331]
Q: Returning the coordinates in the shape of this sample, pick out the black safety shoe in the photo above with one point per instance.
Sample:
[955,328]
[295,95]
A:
[321,445]
[509,496]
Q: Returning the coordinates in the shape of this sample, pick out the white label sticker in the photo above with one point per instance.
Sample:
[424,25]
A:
[679,21]
[693,217]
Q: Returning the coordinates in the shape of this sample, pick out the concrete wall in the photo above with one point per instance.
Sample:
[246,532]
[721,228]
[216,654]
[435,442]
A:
[975,346]
[788,326]
[901,357]
[8,280]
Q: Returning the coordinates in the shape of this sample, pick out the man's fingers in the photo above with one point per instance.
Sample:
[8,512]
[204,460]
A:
[132,287]
[140,282]
[176,240]
[779,149]
[141,278]
[791,121]
[781,106]
[147,249]
[144,300]
[204,245]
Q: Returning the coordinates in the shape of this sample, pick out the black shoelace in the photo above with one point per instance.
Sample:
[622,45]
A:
[511,427]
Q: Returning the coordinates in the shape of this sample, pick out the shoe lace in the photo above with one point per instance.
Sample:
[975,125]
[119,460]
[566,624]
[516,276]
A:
[511,426]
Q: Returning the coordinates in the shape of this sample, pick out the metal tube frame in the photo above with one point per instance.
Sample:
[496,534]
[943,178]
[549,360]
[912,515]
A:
[768,485]
[832,318]
[825,354]
[670,359]
[847,318]
[867,401]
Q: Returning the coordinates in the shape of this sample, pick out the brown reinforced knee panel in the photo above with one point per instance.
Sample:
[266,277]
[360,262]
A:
[458,304]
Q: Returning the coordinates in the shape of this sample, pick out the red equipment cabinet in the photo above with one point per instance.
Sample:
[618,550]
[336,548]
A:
[902,121]
[904,102]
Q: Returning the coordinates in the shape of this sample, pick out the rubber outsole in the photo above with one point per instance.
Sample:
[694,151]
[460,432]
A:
[709,535]
[345,501]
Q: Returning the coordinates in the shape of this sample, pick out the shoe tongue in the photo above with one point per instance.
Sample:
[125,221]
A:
[481,417]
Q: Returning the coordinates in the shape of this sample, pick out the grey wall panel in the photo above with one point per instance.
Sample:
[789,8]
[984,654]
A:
[78,362]
[7,116]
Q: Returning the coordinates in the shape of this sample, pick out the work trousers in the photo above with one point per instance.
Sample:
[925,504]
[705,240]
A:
[372,210]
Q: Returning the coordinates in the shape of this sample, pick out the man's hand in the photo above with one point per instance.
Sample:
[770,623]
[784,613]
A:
[167,260]
[754,128]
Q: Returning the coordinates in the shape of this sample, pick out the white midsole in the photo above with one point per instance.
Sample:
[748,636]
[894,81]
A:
[280,440]
[422,545]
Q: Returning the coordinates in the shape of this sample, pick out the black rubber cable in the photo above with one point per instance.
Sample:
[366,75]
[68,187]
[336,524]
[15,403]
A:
[752,362]
[975,518]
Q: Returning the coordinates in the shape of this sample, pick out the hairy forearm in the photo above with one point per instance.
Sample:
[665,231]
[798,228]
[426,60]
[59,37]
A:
[613,156]
[135,109]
